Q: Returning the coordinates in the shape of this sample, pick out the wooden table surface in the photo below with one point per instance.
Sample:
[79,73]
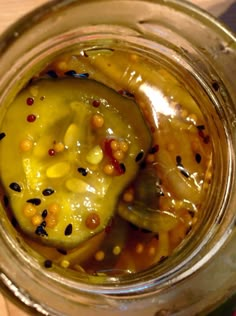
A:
[11,10]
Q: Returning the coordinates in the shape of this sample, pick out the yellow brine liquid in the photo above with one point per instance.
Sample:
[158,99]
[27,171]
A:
[105,162]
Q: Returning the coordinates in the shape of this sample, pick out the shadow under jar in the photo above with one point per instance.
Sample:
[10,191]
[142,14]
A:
[172,251]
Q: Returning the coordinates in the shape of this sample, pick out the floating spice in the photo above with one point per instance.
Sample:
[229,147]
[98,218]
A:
[68,230]
[15,187]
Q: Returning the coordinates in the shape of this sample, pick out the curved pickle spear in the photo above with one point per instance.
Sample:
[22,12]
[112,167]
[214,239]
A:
[64,197]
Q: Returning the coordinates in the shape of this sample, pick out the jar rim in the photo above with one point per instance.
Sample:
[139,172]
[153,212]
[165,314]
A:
[16,31]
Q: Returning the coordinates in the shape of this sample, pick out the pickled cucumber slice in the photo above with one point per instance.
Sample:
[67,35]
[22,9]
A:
[67,195]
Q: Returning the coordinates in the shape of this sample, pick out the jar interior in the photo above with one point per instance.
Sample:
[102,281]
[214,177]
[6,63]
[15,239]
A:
[201,94]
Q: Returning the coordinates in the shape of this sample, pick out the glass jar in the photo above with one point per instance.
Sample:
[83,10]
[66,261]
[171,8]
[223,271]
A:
[201,275]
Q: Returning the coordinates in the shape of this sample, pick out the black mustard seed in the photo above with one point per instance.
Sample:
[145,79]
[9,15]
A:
[139,156]
[52,74]
[2,135]
[15,187]
[48,263]
[44,213]
[198,158]
[34,201]
[48,192]
[68,230]
[83,171]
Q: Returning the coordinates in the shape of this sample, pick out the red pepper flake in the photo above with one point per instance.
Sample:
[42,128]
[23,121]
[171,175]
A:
[31,118]
[30,101]
[206,139]
[51,152]
[122,168]
[201,133]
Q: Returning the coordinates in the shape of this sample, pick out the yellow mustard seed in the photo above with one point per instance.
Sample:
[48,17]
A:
[29,210]
[139,248]
[108,169]
[34,90]
[62,65]
[65,264]
[26,145]
[192,117]
[151,251]
[116,250]
[99,255]
[134,57]
[170,146]
[59,147]
[119,155]
[124,146]
[184,113]
[51,220]
[115,145]
[54,208]
[36,220]
[128,196]
[195,145]
[150,158]
[97,121]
